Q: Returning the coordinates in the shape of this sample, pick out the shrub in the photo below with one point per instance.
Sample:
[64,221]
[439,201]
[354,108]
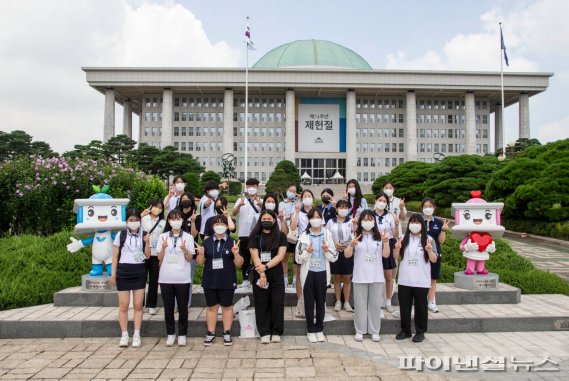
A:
[285,174]
[408,179]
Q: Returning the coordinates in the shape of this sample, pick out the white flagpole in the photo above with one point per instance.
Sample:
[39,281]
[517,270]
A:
[502,91]
[246,106]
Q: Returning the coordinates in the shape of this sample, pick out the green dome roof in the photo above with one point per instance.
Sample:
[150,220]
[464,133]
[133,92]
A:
[312,53]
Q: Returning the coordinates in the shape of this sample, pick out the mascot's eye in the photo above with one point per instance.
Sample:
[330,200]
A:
[488,216]
[466,216]
[91,213]
[114,212]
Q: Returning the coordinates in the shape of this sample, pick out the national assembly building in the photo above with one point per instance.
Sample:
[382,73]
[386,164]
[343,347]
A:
[317,104]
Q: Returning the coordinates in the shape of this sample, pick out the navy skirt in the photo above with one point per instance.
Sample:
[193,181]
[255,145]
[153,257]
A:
[389,262]
[131,276]
[343,266]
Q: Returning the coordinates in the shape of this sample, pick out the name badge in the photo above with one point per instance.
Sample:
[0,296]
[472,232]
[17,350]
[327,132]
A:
[265,256]
[314,262]
[172,258]
[369,259]
[413,262]
[217,264]
[139,257]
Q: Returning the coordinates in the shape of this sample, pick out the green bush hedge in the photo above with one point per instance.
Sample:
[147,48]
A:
[415,207]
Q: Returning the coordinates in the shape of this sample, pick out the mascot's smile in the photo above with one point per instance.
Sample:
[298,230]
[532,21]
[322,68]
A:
[104,218]
[477,221]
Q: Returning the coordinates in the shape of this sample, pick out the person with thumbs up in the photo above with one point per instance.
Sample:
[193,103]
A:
[368,248]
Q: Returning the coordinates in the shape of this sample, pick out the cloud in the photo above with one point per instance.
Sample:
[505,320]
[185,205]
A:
[554,131]
[44,45]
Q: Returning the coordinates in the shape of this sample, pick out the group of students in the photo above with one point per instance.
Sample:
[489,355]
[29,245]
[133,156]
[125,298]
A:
[344,238]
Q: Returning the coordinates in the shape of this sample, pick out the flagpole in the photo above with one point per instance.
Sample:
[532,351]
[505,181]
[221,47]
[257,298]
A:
[246,107]
[502,91]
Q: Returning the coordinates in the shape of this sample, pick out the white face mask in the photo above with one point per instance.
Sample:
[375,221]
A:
[270,206]
[316,222]
[176,224]
[133,225]
[388,192]
[343,212]
[368,225]
[351,191]
[219,229]
[415,228]
[428,211]
[214,193]
[180,187]
[307,201]
[380,205]
[252,191]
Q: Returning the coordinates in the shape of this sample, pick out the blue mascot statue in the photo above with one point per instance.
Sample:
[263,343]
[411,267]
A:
[104,216]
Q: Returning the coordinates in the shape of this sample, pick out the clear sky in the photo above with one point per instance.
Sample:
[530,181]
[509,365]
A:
[43,45]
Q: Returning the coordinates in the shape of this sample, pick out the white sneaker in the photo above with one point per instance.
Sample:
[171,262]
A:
[275,339]
[170,340]
[347,307]
[244,284]
[433,307]
[389,309]
[265,339]
[359,337]
[382,315]
[299,309]
[124,341]
[152,311]
[320,337]
[182,341]
[311,337]
[375,338]
[136,341]
[338,306]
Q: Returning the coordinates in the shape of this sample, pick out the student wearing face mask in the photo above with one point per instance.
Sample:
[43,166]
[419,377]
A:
[153,222]
[175,252]
[342,233]
[396,205]
[387,226]
[207,203]
[436,229]
[220,257]
[314,251]
[286,209]
[417,251]
[220,210]
[368,248]
[271,202]
[328,205]
[175,192]
[355,198]
[299,222]
[187,205]
[268,247]
[131,249]
[247,208]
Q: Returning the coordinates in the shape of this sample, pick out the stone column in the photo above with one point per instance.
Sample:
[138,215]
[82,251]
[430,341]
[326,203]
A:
[127,118]
[167,117]
[351,154]
[524,116]
[470,124]
[290,139]
[411,126]
[109,126]
[498,129]
[227,122]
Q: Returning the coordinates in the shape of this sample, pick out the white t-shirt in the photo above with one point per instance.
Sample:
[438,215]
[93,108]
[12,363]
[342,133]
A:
[147,224]
[368,266]
[247,216]
[132,251]
[302,222]
[174,267]
[173,202]
[287,208]
[387,224]
[414,271]
[345,227]
[206,212]
[396,210]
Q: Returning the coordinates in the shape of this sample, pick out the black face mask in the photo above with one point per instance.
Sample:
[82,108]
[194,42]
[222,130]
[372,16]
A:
[219,210]
[326,200]
[186,204]
[266,224]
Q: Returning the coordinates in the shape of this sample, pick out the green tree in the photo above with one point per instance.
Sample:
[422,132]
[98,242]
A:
[144,156]
[408,178]
[93,151]
[119,147]
[15,144]
[514,173]
[207,176]
[192,183]
[170,162]
[42,149]
[283,176]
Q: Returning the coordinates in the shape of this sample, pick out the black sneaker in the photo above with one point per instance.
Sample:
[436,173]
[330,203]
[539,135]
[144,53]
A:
[403,335]
[418,337]
[209,339]
[227,340]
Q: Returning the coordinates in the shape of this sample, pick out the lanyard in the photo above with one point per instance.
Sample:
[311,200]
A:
[218,246]
[136,240]
[367,237]
[175,239]
[319,242]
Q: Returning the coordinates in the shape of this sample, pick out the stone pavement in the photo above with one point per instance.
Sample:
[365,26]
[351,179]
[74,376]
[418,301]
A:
[545,256]
[341,358]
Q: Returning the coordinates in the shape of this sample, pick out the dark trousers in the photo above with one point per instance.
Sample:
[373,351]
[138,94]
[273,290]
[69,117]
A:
[407,297]
[152,271]
[246,254]
[181,294]
[314,292]
[269,303]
